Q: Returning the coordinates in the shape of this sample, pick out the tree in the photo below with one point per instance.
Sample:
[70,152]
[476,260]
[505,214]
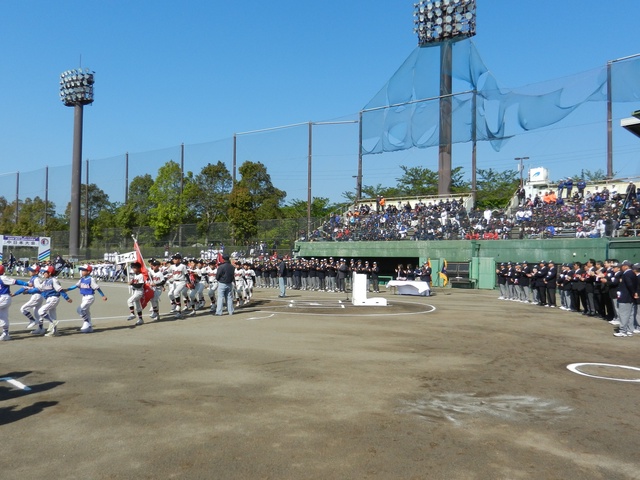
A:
[169,208]
[495,189]
[208,196]
[136,212]
[94,202]
[31,218]
[369,191]
[320,207]
[242,217]
[265,198]
[458,183]
[589,176]
[417,181]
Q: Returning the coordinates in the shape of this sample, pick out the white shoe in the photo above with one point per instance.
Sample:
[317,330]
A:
[153,316]
[131,317]
[38,331]
[53,330]
[173,309]
[636,331]
[33,324]
[86,327]
[5,337]
[621,334]
[140,322]
[614,322]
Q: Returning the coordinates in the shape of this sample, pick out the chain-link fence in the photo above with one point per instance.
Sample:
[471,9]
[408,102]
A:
[273,235]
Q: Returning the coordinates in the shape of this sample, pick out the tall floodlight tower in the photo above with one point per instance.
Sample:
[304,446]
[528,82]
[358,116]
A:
[76,90]
[441,23]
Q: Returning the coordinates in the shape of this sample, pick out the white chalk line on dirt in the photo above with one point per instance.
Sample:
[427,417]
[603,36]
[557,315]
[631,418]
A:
[575,368]
[428,309]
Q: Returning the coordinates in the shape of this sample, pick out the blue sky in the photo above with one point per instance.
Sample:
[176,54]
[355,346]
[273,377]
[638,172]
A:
[196,72]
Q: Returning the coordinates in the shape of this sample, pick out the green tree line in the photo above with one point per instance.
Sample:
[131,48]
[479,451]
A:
[210,197]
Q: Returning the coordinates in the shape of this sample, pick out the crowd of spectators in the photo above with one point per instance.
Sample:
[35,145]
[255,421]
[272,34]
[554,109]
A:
[581,213]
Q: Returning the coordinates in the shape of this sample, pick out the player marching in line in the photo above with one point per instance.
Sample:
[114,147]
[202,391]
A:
[249,276]
[88,287]
[5,301]
[210,271]
[177,273]
[157,280]
[202,283]
[136,283]
[240,285]
[194,285]
[51,291]
[31,307]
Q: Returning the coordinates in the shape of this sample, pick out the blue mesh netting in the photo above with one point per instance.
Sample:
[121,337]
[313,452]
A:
[405,112]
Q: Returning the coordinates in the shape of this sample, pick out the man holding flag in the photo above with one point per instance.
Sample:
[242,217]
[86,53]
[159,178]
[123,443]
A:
[142,292]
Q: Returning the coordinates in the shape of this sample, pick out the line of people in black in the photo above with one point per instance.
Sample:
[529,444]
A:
[318,274]
[591,288]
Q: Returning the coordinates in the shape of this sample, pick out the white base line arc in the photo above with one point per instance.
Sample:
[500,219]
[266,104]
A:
[575,368]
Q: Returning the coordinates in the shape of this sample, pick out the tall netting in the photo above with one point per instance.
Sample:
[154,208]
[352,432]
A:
[109,175]
[285,154]
[8,184]
[404,113]
[33,184]
[60,187]
[200,155]
[142,163]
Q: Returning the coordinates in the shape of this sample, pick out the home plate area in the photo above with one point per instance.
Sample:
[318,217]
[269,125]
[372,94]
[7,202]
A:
[335,306]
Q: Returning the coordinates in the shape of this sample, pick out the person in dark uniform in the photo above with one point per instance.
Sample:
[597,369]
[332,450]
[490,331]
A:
[550,282]
[501,273]
[343,270]
[523,283]
[375,281]
[539,274]
[589,286]
[578,294]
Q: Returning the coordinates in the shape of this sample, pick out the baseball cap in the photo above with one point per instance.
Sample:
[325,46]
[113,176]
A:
[88,268]
[626,263]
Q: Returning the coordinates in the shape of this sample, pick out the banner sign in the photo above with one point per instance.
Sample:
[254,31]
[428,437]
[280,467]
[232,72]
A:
[129,257]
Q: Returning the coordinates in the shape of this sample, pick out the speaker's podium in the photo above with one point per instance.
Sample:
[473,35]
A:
[359,292]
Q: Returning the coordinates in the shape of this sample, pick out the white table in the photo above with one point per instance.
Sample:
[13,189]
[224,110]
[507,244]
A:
[409,287]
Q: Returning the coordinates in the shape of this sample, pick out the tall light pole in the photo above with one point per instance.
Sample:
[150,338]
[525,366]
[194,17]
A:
[521,168]
[442,23]
[76,90]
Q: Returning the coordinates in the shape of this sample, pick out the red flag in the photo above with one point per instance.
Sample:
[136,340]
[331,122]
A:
[148,291]
[140,260]
[220,259]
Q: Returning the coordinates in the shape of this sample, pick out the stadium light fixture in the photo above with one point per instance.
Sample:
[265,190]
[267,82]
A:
[440,20]
[76,87]
[76,90]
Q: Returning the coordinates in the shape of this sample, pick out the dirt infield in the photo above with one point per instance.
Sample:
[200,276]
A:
[455,386]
